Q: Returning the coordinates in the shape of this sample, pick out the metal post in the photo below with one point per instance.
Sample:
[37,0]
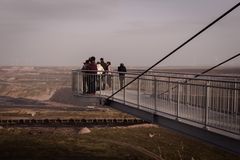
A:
[124,92]
[236,104]
[169,89]
[100,82]
[235,98]
[138,93]
[178,99]
[73,76]
[188,95]
[207,103]
[228,102]
[155,94]
[78,87]
[113,86]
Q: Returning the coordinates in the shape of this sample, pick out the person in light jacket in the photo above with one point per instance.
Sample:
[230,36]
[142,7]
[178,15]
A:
[109,74]
[100,71]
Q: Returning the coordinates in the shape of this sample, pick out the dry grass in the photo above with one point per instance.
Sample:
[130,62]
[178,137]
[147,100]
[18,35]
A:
[145,142]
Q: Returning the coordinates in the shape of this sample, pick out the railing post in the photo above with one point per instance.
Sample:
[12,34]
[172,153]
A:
[235,98]
[78,86]
[100,83]
[73,90]
[169,89]
[138,93]
[178,99]
[124,92]
[113,85]
[188,95]
[236,103]
[155,94]
[207,103]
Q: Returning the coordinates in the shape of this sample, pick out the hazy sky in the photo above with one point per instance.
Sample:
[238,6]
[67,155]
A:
[136,32]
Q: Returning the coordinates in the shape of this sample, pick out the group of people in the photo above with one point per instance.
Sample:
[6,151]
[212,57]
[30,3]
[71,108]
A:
[97,76]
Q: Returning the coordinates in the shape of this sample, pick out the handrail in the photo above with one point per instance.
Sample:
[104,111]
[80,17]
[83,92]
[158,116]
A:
[177,80]
[163,76]
[193,74]
[167,72]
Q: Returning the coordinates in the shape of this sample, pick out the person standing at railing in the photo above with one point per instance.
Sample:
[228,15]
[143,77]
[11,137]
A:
[92,67]
[108,73]
[84,68]
[104,65]
[100,71]
[122,70]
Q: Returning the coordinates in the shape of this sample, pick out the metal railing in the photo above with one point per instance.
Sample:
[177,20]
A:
[208,103]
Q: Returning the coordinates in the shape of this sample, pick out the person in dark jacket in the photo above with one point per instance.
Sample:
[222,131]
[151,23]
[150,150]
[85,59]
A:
[108,73]
[122,70]
[85,76]
[92,73]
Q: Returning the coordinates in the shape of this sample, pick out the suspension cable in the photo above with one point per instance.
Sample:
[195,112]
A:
[233,57]
[197,75]
[183,44]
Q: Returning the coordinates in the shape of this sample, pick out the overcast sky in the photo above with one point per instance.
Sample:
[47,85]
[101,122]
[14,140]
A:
[135,32]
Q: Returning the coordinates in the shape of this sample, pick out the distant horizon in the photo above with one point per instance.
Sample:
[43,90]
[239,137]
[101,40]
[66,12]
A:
[143,67]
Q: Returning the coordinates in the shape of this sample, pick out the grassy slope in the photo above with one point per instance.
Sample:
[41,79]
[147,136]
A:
[105,143]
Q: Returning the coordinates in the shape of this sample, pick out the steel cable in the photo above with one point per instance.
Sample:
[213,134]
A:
[179,47]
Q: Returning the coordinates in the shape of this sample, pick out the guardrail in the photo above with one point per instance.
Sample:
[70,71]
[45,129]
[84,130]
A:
[203,102]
